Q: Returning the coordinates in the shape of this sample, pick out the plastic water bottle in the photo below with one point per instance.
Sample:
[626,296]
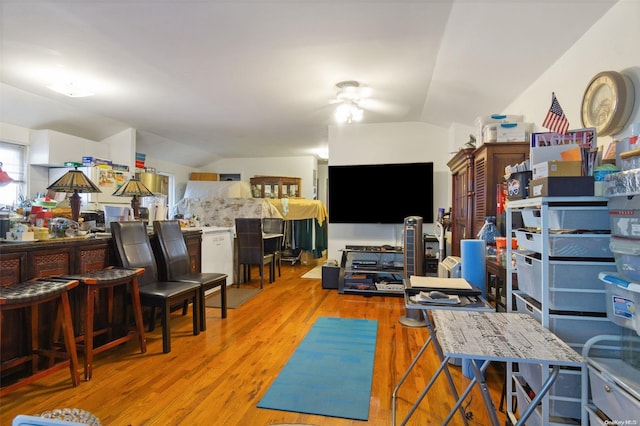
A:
[488,234]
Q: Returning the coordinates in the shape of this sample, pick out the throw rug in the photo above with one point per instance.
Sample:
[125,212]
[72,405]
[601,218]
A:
[236,296]
[315,273]
[331,371]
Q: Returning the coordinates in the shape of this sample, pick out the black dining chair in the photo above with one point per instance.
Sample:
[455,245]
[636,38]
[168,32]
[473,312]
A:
[274,226]
[250,247]
[176,266]
[134,249]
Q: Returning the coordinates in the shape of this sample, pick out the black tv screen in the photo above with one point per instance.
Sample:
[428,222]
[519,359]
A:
[380,193]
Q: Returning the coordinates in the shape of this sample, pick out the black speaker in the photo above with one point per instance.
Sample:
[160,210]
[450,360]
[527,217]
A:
[330,276]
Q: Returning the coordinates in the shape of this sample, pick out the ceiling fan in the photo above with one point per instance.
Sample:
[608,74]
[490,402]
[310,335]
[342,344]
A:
[353,98]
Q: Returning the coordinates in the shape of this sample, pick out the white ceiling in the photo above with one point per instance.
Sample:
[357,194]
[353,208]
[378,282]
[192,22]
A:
[202,80]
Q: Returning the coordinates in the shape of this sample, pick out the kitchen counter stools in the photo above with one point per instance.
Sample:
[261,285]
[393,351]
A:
[108,279]
[30,295]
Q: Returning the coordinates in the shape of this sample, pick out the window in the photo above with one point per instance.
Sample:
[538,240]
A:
[12,157]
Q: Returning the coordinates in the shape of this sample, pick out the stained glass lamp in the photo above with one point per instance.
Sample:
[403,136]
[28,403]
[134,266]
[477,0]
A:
[133,188]
[74,181]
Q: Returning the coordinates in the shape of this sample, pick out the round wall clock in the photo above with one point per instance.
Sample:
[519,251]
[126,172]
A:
[608,102]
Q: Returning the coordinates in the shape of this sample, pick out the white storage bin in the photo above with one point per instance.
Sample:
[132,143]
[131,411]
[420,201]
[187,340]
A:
[623,301]
[573,285]
[569,218]
[497,118]
[610,398]
[568,245]
[624,213]
[574,330]
[567,385]
[627,254]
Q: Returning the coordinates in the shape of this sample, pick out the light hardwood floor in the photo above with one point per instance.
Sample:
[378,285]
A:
[219,376]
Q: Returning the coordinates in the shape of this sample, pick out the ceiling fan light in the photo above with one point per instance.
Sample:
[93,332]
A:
[356,113]
[348,112]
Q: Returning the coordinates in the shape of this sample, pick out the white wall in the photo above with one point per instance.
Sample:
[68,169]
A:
[387,143]
[122,149]
[611,44]
[302,167]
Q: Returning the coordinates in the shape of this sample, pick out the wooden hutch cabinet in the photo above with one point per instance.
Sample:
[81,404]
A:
[475,176]
[275,187]
[461,166]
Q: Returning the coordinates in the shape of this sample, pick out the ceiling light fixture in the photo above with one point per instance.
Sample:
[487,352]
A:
[72,89]
[348,97]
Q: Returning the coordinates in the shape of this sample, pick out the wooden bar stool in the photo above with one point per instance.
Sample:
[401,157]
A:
[29,295]
[92,283]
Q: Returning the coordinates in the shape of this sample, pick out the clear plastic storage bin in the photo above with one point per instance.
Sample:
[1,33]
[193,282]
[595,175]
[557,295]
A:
[574,330]
[623,301]
[569,218]
[573,285]
[568,244]
[627,254]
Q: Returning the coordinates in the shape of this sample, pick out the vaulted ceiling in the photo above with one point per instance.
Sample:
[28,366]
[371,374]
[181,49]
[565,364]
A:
[201,80]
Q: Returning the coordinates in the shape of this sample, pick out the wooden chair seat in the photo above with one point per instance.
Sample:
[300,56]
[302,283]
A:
[29,295]
[108,279]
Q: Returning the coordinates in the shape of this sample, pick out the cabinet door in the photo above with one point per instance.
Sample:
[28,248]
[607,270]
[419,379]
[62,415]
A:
[488,171]
[461,166]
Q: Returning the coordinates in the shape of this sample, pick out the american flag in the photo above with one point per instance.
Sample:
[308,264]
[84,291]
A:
[556,120]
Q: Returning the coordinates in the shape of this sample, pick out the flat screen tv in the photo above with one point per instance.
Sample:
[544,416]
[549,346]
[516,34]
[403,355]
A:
[380,193]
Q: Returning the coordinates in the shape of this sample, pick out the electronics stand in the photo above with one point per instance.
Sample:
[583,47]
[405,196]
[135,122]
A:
[413,264]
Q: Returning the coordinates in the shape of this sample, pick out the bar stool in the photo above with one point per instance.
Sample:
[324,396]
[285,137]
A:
[92,283]
[31,294]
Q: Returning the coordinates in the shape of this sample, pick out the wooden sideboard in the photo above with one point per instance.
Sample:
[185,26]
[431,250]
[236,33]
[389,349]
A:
[24,261]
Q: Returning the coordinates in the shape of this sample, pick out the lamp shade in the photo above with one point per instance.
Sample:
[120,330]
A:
[74,181]
[133,188]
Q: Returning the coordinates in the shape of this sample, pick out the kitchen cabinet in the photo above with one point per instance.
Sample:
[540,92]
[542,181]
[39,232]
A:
[62,256]
[475,176]
[51,148]
[563,248]
[275,187]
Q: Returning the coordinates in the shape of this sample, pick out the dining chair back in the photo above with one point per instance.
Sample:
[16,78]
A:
[250,245]
[274,226]
[134,249]
[175,265]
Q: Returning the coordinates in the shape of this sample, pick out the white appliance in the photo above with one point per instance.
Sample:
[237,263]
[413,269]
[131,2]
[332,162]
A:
[217,252]
[450,267]
[157,206]
[107,179]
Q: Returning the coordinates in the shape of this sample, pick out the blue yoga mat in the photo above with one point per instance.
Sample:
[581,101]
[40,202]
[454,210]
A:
[330,373]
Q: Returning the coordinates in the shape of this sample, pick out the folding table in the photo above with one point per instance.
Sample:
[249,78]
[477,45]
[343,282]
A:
[467,303]
[506,337]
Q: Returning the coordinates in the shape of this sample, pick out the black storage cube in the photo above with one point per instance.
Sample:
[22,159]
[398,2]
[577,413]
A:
[330,276]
